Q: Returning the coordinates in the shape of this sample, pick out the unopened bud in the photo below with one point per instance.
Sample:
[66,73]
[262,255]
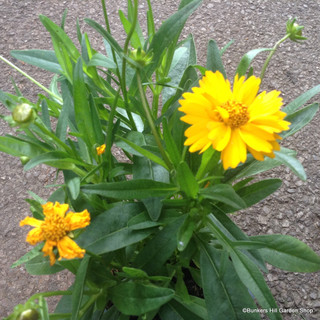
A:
[140,57]
[30,314]
[294,30]
[23,114]
[24,160]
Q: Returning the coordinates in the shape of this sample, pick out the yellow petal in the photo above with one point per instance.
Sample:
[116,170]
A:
[34,236]
[68,249]
[48,251]
[257,155]
[220,136]
[77,220]
[200,144]
[235,152]
[255,140]
[60,209]
[245,91]
[30,221]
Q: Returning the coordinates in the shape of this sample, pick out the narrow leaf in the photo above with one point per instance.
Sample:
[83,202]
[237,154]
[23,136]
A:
[214,61]
[247,59]
[301,100]
[288,253]
[44,59]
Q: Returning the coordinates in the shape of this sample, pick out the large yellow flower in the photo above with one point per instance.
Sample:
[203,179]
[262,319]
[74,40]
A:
[233,121]
[54,230]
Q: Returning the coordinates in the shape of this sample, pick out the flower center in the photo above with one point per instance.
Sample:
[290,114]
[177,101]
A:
[54,228]
[237,114]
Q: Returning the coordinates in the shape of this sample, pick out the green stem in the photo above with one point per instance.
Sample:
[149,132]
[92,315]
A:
[49,294]
[151,122]
[53,137]
[124,63]
[31,79]
[264,68]
[109,133]
[105,15]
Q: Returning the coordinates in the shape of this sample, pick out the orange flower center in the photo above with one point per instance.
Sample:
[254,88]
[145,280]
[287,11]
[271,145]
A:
[54,228]
[238,114]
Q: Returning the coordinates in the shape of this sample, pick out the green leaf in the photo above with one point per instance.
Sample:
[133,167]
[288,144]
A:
[301,100]
[44,59]
[134,298]
[79,287]
[254,167]
[258,191]
[16,147]
[137,150]
[292,163]
[171,146]
[135,40]
[73,183]
[40,265]
[44,312]
[143,168]
[168,31]
[225,299]
[101,60]
[178,65]
[185,233]
[214,61]
[300,118]
[159,249]
[247,59]
[106,35]
[82,108]
[132,189]
[288,253]
[34,252]
[234,233]
[56,159]
[109,231]
[59,36]
[252,278]
[186,180]
[182,310]
[223,193]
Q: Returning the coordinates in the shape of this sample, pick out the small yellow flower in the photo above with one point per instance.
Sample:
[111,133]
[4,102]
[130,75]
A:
[101,149]
[54,230]
[233,121]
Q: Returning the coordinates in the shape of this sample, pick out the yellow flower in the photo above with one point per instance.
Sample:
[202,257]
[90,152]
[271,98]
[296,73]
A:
[54,230]
[233,121]
[101,149]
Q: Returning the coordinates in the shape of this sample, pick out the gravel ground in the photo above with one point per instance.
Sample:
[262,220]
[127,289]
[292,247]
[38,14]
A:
[292,210]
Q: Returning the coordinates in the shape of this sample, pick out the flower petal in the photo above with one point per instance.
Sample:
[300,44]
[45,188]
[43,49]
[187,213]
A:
[30,221]
[68,249]
[235,152]
[77,220]
[245,91]
[219,135]
[48,251]
[34,236]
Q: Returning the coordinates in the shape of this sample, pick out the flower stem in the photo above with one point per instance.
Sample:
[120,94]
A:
[151,122]
[31,79]
[124,62]
[264,68]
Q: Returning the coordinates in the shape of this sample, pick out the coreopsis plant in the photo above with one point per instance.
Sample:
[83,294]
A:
[150,235]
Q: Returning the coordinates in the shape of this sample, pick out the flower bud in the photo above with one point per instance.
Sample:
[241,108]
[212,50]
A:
[23,114]
[29,314]
[140,57]
[24,160]
[294,30]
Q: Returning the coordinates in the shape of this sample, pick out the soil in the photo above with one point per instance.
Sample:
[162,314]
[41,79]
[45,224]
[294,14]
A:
[293,210]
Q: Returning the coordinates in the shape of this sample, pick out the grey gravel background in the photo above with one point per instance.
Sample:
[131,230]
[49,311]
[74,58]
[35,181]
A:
[293,210]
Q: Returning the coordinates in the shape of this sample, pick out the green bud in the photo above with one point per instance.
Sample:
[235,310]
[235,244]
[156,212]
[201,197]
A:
[23,114]
[294,30]
[24,159]
[140,58]
[30,314]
